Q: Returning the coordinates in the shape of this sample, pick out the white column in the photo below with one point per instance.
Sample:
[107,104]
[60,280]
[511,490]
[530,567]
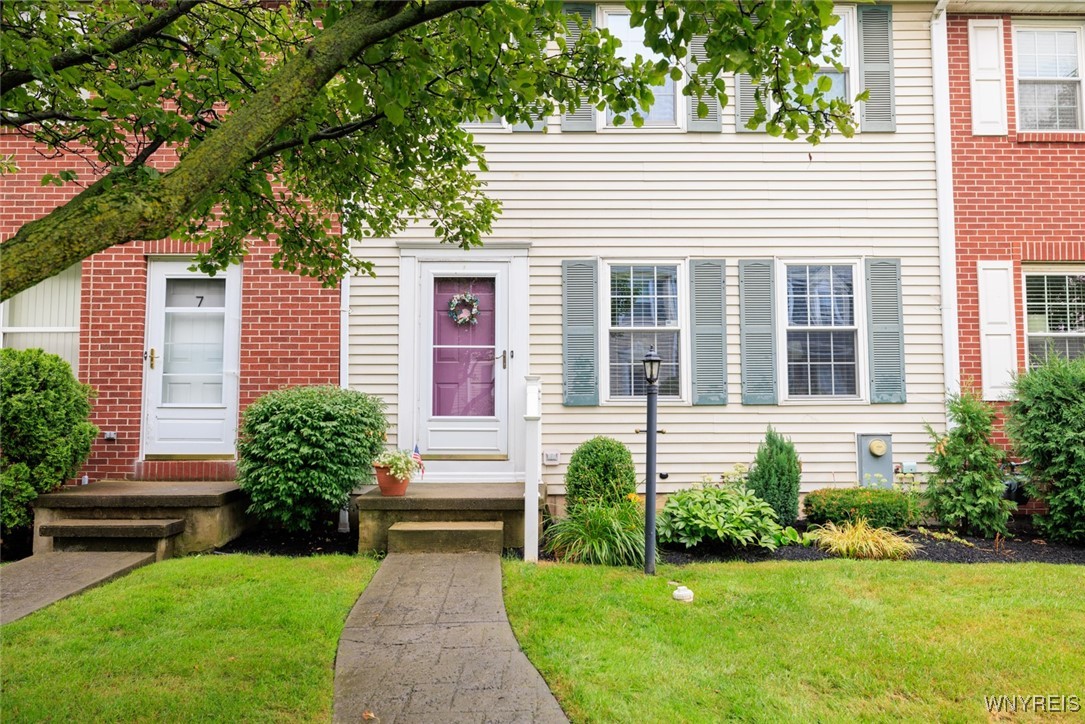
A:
[533,467]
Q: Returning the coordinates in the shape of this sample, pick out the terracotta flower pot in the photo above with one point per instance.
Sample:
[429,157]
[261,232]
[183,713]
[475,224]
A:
[389,484]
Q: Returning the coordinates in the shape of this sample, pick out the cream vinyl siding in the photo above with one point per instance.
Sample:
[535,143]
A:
[46,316]
[657,195]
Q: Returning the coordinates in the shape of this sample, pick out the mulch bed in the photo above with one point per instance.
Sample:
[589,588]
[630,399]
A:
[1022,546]
[324,539]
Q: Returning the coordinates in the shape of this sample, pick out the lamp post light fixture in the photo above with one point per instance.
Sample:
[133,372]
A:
[651,376]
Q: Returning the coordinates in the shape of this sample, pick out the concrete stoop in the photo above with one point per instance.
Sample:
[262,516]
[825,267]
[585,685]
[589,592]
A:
[450,536]
[164,518]
[149,535]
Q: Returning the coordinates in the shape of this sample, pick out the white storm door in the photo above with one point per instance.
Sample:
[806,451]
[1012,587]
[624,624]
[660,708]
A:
[464,365]
[191,361]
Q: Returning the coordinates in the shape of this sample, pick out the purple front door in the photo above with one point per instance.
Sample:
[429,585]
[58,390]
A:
[465,355]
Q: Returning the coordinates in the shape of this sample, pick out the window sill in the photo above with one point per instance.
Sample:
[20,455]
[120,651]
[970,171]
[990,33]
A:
[1051,136]
[640,402]
[826,400]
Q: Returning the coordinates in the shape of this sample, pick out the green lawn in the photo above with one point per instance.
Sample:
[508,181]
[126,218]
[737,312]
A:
[222,638]
[828,641]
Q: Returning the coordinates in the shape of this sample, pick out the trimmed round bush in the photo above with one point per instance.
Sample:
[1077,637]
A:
[303,449]
[881,508]
[1045,423]
[44,430]
[775,475]
[600,470]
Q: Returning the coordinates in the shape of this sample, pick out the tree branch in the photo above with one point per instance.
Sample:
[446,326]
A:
[144,208]
[327,134]
[13,78]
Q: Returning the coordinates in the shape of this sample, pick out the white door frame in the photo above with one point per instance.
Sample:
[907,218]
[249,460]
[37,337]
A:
[226,413]
[413,353]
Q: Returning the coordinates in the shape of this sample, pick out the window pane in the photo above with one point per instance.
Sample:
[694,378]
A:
[662,112]
[820,296]
[627,351]
[840,84]
[644,296]
[821,364]
[1055,315]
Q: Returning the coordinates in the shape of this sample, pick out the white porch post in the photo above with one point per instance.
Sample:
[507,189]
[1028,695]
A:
[533,467]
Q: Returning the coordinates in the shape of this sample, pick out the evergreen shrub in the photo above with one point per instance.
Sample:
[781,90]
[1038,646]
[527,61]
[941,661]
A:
[965,488]
[775,475]
[1046,422]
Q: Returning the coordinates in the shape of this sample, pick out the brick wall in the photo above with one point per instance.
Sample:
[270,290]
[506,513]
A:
[289,325]
[1019,197]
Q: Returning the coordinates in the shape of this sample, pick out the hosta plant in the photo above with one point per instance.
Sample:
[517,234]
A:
[730,514]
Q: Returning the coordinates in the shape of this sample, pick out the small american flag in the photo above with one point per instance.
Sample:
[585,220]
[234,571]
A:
[417,456]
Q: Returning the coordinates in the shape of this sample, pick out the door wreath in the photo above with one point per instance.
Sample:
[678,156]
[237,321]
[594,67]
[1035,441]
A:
[463,309]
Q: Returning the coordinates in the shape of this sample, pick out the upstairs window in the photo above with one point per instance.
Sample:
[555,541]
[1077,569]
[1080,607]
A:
[1049,77]
[664,112]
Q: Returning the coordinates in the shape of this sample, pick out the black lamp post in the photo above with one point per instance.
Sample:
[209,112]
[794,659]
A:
[651,376]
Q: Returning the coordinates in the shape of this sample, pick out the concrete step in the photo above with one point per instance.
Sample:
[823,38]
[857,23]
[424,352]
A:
[446,536]
[143,494]
[113,528]
[148,535]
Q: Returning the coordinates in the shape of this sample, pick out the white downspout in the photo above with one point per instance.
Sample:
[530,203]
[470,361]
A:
[947,234]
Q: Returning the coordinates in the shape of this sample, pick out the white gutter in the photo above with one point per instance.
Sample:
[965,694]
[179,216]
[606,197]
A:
[947,234]
[344,331]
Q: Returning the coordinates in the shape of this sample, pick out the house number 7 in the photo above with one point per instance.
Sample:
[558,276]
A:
[200,304]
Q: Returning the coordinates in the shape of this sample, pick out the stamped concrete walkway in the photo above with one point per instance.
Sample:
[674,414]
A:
[428,641]
[44,578]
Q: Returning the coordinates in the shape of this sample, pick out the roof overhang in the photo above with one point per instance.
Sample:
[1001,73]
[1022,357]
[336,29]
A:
[1029,7]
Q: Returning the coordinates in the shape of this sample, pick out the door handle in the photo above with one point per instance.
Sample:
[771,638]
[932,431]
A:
[150,357]
[504,359]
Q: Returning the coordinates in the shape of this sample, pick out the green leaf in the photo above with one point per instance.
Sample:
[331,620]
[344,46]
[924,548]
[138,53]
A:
[394,112]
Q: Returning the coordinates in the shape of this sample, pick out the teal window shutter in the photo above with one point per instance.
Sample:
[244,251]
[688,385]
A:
[746,103]
[712,122]
[583,118]
[757,315]
[580,332]
[708,312]
[885,317]
[878,113]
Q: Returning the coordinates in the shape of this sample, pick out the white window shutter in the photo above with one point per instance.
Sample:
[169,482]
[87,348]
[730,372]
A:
[986,61]
[998,328]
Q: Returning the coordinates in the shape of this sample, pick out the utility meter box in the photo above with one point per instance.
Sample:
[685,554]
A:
[875,455]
